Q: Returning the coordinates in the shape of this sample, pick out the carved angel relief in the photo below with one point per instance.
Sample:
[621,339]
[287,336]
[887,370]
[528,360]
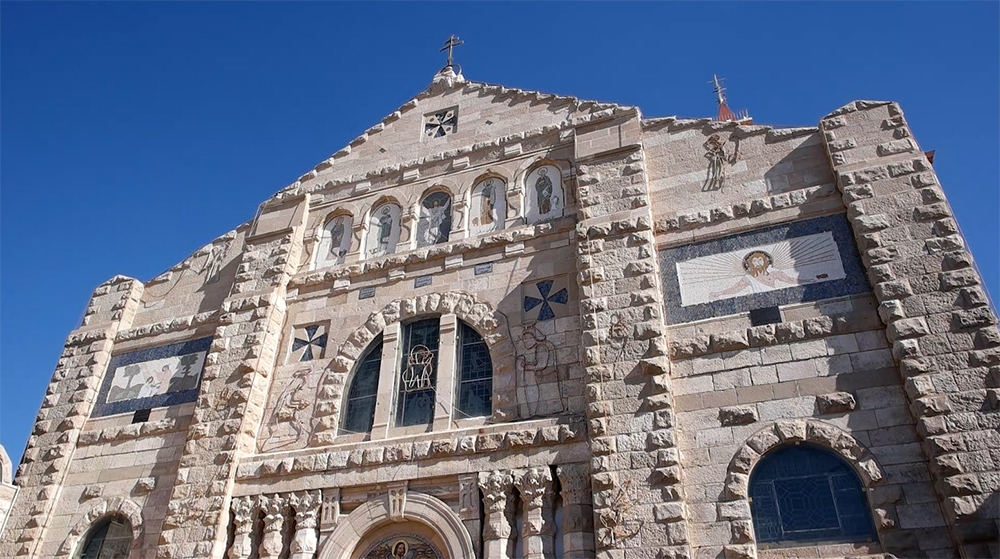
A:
[719,161]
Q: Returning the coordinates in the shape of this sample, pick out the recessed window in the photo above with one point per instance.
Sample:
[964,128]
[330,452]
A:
[807,494]
[418,373]
[442,123]
[109,539]
[359,412]
[475,384]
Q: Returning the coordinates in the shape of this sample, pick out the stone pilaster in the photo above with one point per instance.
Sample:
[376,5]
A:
[496,487]
[307,507]
[470,508]
[273,508]
[537,526]
[234,386]
[630,406]
[69,400]
[243,510]
[937,314]
[578,511]
[384,411]
[447,373]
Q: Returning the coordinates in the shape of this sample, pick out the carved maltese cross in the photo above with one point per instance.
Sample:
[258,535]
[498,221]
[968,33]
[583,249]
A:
[309,342]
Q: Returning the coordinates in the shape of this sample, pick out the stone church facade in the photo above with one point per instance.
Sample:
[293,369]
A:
[508,324]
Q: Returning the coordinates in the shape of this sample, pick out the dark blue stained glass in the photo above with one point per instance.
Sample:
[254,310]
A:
[359,413]
[417,407]
[307,355]
[297,344]
[530,303]
[561,296]
[475,386]
[807,494]
[311,331]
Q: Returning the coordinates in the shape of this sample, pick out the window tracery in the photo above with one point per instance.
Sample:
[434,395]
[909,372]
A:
[359,411]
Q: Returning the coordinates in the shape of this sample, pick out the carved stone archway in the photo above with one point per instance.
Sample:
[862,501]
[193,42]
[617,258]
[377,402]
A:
[103,508]
[490,323]
[735,505]
[420,507]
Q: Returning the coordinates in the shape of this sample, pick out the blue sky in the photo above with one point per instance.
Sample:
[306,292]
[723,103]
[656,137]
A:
[134,133]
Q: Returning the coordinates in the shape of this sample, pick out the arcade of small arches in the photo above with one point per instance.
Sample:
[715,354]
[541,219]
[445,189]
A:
[444,213]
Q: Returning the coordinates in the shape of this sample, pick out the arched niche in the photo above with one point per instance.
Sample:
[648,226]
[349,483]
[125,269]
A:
[544,193]
[488,205]
[383,229]
[353,534]
[334,240]
[93,515]
[434,218]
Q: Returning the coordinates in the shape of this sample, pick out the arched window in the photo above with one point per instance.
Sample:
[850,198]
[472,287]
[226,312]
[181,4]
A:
[475,374]
[434,226]
[383,230]
[418,372]
[334,242]
[359,411]
[489,206]
[807,494]
[110,538]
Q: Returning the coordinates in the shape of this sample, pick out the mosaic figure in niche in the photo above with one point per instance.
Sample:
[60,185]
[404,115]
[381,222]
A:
[543,187]
[335,241]
[435,219]
[402,547]
[489,206]
[544,194]
[286,425]
[383,233]
[536,366]
[788,263]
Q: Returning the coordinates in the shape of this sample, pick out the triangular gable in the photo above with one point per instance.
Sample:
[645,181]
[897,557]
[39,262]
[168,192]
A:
[485,113]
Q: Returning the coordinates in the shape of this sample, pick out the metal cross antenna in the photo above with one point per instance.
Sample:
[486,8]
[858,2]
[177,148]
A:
[720,92]
[450,44]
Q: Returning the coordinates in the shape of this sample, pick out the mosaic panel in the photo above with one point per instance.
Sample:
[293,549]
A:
[798,262]
[402,547]
[543,194]
[544,300]
[308,343]
[489,206]
[152,378]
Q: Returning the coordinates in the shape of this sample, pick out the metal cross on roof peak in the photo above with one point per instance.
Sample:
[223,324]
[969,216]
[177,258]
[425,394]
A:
[450,44]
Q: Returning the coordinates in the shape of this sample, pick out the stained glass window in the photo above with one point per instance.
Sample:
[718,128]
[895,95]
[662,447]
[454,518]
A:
[807,494]
[110,539]
[475,381]
[418,373]
[359,412]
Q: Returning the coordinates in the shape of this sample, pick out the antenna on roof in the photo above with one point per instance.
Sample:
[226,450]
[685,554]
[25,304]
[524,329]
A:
[726,115]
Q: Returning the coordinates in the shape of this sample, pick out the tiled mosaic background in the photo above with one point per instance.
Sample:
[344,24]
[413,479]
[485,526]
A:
[854,283]
[104,407]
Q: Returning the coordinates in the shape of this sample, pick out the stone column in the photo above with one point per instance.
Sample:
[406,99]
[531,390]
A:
[68,402]
[496,488]
[238,371]
[938,317]
[356,248]
[578,512]
[515,205]
[469,509]
[274,520]
[537,526]
[447,372]
[624,346]
[459,217]
[307,507]
[384,411]
[243,512]
[408,228]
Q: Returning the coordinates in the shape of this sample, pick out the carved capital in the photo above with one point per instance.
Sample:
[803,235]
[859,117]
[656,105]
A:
[495,485]
[243,509]
[306,505]
[574,482]
[273,507]
[535,485]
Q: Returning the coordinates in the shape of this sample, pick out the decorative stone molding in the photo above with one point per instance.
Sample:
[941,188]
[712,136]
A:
[496,487]
[307,508]
[396,496]
[537,527]
[734,505]
[446,445]
[420,507]
[131,431]
[98,510]
[243,509]
[167,326]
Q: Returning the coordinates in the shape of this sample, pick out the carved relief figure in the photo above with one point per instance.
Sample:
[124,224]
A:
[718,159]
[537,365]
[289,419]
[760,269]
[215,261]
